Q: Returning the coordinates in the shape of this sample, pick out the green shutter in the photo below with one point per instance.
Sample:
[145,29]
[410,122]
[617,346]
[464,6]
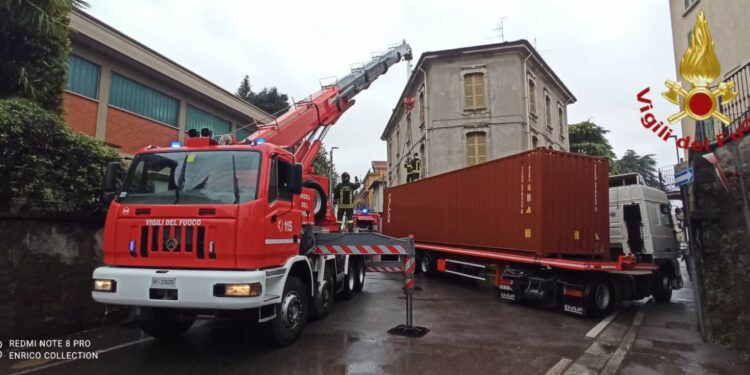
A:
[83,77]
[143,100]
[243,133]
[198,119]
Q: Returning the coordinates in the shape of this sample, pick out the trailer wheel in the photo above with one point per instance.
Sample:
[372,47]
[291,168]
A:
[359,281]
[167,324]
[427,264]
[323,302]
[291,315]
[349,281]
[600,298]
[663,288]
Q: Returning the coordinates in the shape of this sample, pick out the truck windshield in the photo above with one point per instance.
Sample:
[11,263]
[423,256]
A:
[192,178]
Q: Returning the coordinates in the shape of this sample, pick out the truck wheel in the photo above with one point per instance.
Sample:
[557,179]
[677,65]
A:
[663,288]
[359,281]
[291,315]
[600,298]
[324,297]
[427,264]
[167,324]
[349,282]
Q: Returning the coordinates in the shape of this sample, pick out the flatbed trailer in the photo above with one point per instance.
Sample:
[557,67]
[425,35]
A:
[583,287]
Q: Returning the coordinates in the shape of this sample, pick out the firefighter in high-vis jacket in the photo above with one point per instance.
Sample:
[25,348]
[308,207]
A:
[413,167]
[343,197]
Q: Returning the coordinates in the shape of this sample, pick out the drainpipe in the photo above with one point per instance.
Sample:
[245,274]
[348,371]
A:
[526,101]
[426,159]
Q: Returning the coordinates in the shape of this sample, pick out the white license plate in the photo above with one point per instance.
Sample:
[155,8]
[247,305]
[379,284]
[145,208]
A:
[164,282]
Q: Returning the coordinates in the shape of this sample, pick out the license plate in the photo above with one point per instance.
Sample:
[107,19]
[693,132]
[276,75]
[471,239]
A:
[164,282]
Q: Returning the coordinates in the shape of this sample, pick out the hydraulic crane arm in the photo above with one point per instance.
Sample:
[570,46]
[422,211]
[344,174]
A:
[305,125]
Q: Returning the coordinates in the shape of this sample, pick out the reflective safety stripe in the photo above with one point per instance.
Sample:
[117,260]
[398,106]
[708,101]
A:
[278,241]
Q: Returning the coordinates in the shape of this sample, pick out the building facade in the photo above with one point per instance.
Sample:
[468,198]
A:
[373,185]
[129,96]
[727,22]
[476,104]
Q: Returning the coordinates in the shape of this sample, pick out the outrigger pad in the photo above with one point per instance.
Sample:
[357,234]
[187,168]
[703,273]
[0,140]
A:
[408,331]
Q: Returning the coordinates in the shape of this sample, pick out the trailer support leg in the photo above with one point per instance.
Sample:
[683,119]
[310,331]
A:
[409,329]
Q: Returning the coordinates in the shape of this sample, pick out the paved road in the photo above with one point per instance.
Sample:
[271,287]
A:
[471,332]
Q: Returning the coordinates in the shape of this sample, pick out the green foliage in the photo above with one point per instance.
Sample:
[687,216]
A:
[34,50]
[644,165]
[588,138]
[268,99]
[42,159]
[323,167]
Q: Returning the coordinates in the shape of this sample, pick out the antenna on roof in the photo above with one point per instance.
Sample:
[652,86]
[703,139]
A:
[500,29]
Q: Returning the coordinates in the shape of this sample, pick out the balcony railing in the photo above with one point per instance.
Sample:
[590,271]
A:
[738,109]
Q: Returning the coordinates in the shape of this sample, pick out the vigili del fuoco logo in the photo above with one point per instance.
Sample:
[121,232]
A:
[700,67]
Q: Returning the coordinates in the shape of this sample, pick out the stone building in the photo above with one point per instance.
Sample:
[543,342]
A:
[475,104]
[129,96]
[373,185]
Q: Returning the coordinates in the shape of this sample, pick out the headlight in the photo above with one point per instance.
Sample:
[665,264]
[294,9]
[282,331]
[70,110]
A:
[105,285]
[237,290]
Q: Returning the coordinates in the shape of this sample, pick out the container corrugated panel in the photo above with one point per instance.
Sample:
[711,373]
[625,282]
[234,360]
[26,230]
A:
[541,201]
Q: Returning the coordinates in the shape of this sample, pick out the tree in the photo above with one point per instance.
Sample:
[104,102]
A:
[644,165]
[588,138]
[323,167]
[34,50]
[268,99]
[44,160]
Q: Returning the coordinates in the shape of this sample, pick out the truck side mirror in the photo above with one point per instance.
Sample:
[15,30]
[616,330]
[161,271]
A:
[112,177]
[295,179]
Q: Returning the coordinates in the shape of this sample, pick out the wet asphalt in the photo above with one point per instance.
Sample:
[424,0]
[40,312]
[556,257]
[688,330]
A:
[471,332]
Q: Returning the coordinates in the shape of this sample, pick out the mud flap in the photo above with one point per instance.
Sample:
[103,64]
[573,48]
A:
[574,306]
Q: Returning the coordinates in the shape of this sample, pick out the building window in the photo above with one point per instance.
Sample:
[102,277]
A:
[532,97]
[689,3]
[474,91]
[690,36]
[142,100]
[83,77]
[421,108]
[476,148]
[243,131]
[198,119]
[548,112]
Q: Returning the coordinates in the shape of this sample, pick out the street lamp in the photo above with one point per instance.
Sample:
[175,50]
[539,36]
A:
[676,149]
[330,173]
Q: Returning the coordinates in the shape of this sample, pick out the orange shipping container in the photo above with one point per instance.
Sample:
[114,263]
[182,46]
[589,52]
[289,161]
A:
[547,202]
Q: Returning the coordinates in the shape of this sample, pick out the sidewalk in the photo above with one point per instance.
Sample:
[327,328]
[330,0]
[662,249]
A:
[669,342]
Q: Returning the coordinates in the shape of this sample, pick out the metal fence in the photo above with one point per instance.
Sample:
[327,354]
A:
[666,179]
[738,109]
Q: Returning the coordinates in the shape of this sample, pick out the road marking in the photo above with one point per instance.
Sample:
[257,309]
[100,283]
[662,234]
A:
[603,324]
[131,343]
[616,360]
[558,368]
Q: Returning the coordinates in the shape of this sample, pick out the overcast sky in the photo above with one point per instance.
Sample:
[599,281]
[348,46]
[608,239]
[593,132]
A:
[604,51]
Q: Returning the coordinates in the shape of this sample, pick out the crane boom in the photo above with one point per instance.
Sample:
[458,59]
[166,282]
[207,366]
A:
[304,126]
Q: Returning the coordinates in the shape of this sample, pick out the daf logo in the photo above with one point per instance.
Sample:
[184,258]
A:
[171,244]
[125,210]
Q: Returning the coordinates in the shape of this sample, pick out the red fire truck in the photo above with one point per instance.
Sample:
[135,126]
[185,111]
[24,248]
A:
[209,228]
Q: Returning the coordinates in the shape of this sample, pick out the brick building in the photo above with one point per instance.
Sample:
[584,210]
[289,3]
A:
[129,96]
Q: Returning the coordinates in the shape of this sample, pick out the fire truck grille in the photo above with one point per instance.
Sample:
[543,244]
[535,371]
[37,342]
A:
[173,239]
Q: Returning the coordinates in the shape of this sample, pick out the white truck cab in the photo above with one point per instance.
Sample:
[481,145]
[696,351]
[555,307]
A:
[641,224]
